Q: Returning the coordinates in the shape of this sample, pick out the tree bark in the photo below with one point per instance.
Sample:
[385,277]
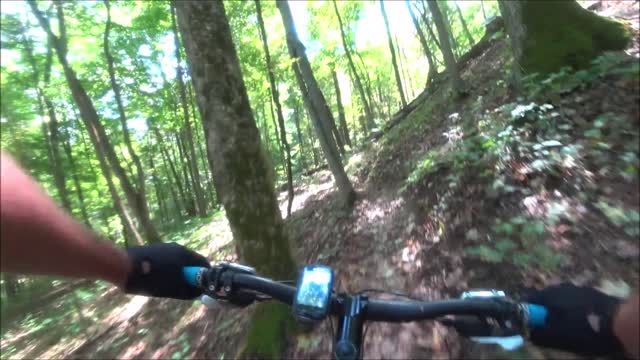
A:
[449,58]
[317,105]
[276,99]
[91,120]
[394,62]
[444,11]
[425,46]
[368,113]
[201,206]
[465,29]
[344,129]
[243,177]
[578,34]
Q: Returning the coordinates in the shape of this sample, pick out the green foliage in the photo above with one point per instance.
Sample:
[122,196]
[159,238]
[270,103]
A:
[626,219]
[521,243]
[566,80]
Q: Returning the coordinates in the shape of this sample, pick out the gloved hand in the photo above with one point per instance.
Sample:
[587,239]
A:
[579,320]
[157,271]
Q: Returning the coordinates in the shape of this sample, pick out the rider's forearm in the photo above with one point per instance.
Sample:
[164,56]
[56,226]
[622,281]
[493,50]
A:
[626,325]
[37,237]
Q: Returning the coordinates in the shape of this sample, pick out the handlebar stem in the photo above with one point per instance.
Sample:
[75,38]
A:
[348,345]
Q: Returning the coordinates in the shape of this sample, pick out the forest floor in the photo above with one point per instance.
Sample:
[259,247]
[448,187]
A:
[488,191]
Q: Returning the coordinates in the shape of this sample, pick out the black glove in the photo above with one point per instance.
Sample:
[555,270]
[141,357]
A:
[157,271]
[579,320]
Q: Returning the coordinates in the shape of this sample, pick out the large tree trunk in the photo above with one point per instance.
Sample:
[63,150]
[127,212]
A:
[243,177]
[578,35]
[368,113]
[201,206]
[276,100]
[344,129]
[317,105]
[433,69]
[449,59]
[394,62]
[465,29]
[91,120]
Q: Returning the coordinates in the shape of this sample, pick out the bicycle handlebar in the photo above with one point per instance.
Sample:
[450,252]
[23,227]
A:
[381,310]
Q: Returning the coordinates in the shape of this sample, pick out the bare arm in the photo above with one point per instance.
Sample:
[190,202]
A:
[37,237]
[626,325]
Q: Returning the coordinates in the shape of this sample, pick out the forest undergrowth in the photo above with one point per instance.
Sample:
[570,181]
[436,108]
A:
[493,190]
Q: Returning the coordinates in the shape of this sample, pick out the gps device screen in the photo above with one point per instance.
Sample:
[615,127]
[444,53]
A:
[314,292]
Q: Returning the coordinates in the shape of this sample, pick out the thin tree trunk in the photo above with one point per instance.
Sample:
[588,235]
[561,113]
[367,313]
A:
[169,164]
[410,83]
[347,49]
[243,176]
[444,11]
[394,62]
[367,82]
[76,182]
[465,29]
[425,45]
[342,120]
[50,128]
[312,142]
[201,206]
[449,59]
[484,14]
[317,105]
[91,119]
[183,158]
[276,99]
[275,131]
[296,120]
[401,67]
[140,198]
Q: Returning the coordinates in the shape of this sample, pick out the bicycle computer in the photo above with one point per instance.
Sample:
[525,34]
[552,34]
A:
[313,294]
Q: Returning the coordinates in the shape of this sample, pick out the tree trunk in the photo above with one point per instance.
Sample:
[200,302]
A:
[202,154]
[341,118]
[465,29]
[276,100]
[76,182]
[449,59]
[186,174]
[312,142]
[317,105]
[201,206]
[275,131]
[347,49]
[168,163]
[484,14]
[578,35]
[402,62]
[243,178]
[425,46]
[296,120]
[92,122]
[372,105]
[394,62]
[49,128]
[444,11]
